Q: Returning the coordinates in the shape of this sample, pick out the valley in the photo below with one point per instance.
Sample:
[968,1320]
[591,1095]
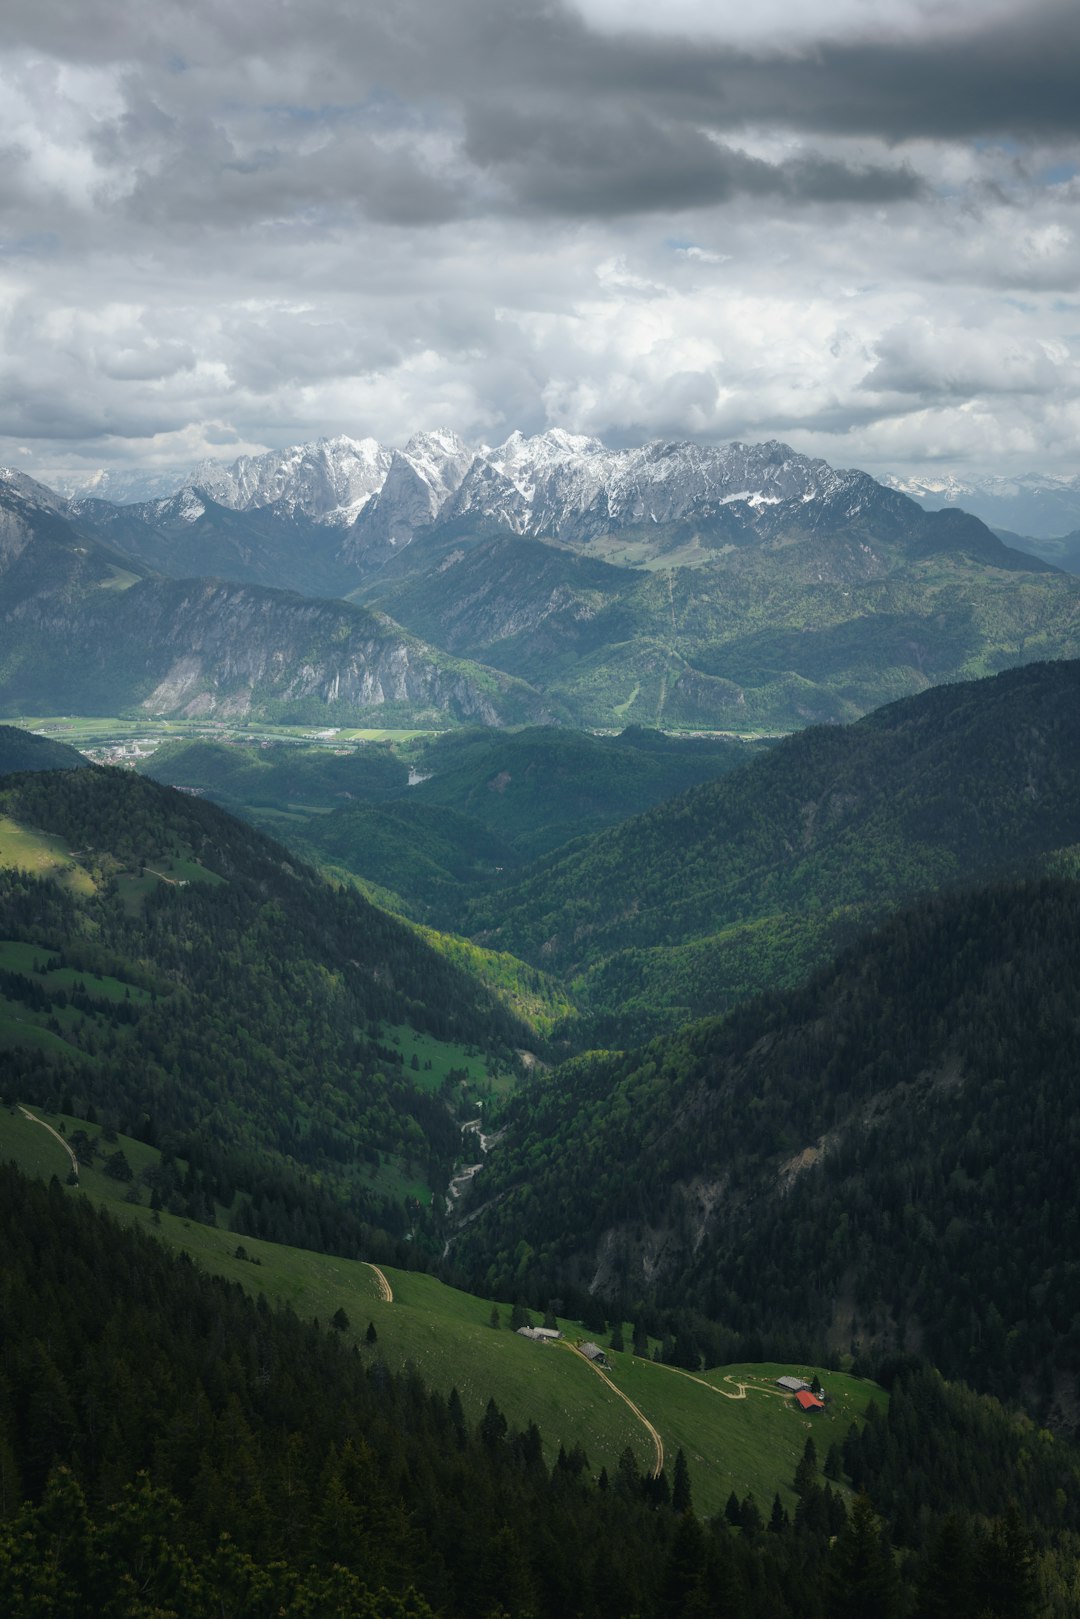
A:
[737,1430]
[684,870]
[539,810]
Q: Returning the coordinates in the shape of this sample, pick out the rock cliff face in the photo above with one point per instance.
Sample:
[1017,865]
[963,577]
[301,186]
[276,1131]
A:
[331,481]
[324,517]
[673,584]
[421,479]
[576,489]
[83,633]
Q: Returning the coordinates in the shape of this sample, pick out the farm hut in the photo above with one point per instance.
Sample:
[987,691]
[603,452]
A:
[791,1385]
[594,1353]
[808,1401]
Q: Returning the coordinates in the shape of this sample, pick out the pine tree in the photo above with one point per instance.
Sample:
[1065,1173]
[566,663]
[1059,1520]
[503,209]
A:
[750,1520]
[1005,1576]
[860,1578]
[681,1499]
[684,1568]
[946,1586]
[492,1426]
[778,1518]
[806,1472]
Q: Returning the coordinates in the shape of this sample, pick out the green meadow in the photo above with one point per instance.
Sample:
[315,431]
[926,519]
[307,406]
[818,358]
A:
[737,1431]
[97,730]
[32,961]
[46,856]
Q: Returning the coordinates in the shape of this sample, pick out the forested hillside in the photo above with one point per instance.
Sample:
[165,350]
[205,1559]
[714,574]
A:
[539,787]
[22,750]
[882,1160]
[245,776]
[705,623]
[426,821]
[169,1447]
[753,880]
[188,979]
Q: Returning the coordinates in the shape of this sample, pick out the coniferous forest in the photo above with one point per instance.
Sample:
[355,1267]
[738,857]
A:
[866,1161]
[539,809]
[169,1447]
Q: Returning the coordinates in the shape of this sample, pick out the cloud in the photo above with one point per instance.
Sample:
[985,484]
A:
[934,361]
[852,223]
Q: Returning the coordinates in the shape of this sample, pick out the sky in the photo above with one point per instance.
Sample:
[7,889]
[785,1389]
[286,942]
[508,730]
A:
[234,225]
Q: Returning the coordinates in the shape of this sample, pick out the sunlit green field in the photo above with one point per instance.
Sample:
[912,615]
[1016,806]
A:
[84,730]
[42,854]
[737,1430]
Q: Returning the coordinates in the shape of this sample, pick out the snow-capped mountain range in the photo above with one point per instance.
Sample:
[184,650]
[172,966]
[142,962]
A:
[1032,504]
[555,483]
[331,480]
[541,557]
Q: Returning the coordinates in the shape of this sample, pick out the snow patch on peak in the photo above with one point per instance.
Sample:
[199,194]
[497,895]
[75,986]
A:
[330,480]
[189,507]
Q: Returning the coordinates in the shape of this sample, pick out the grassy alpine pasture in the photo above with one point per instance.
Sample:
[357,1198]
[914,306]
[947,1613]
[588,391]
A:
[50,1026]
[46,856]
[736,1429]
[32,961]
[438,1060]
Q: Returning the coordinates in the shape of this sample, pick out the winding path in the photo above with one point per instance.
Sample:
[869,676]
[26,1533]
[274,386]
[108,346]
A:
[658,1443]
[723,1393]
[26,1113]
[385,1289]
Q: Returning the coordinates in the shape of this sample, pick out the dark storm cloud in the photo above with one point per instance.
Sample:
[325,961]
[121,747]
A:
[563,117]
[1012,79]
[595,164]
[1002,76]
[1008,76]
[241,221]
[212,184]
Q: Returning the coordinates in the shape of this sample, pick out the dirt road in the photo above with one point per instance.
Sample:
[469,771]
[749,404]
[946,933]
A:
[658,1443]
[26,1113]
[384,1286]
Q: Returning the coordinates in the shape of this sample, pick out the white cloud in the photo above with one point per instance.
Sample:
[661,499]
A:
[788,24]
[508,212]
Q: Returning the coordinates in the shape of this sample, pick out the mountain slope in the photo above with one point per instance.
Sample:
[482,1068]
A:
[1032,504]
[735,587]
[279,775]
[749,880]
[750,613]
[88,629]
[186,977]
[22,750]
[1062,551]
[296,1474]
[541,787]
[190,534]
[885,1157]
